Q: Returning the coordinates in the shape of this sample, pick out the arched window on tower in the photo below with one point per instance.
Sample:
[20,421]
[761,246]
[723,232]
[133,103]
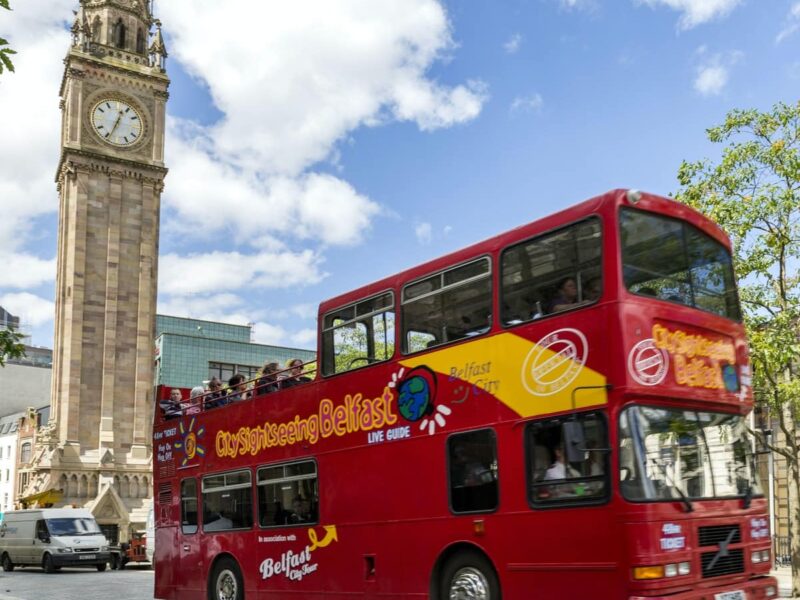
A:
[125,490]
[144,491]
[73,487]
[140,45]
[62,484]
[119,34]
[116,483]
[96,26]
[93,487]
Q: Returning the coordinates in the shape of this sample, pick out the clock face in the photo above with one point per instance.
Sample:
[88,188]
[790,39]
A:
[117,122]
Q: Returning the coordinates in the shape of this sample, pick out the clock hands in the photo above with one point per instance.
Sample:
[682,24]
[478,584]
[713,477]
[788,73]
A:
[119,117]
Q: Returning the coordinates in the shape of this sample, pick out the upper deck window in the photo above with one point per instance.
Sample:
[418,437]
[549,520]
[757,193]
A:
[552,273]
[448,306]
[672,260]
[358,335]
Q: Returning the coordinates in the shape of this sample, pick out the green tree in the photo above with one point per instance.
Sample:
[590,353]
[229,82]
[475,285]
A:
[753,193]
[10,346]
[5,61]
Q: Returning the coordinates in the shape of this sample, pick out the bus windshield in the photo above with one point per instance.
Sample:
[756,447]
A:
[73,527]
[667,454]
[672,260]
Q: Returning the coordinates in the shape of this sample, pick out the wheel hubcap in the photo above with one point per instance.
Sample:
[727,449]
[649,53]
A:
[469,584]
[227,586]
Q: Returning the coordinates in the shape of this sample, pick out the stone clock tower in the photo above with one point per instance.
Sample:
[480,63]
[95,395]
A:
[96,448]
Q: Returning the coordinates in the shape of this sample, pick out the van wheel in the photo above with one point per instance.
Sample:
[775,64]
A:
[226,581]
[469,576]
[47,564]
[7,564]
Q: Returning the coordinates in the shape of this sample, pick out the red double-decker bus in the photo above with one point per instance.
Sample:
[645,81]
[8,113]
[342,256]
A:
[556,412]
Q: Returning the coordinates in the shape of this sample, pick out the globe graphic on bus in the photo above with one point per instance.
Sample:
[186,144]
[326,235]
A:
[415,398]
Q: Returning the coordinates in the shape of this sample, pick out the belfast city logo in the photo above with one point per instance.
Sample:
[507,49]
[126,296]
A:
[554,362]
[647,363]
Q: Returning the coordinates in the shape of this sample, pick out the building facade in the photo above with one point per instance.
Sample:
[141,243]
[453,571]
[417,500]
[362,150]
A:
[190,351]
[9,427]
[109,179]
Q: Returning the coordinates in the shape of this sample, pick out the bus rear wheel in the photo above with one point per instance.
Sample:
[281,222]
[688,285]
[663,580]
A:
[226,581]
[469,576]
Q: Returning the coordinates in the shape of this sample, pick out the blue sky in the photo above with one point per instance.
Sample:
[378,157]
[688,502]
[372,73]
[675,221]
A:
[315,146]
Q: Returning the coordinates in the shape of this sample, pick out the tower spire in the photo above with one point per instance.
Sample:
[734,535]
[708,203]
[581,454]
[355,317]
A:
[158,50]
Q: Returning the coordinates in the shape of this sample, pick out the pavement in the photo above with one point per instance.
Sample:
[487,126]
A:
[134,583]
[784,577]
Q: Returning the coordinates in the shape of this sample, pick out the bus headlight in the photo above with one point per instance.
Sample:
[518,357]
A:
[770,591]
[755,557]
[670,570]
[684,568]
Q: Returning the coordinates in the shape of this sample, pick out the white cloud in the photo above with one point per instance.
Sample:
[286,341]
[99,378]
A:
[711,80]
[530,103]
[32,310]
[266,333]
[23,270]
[424,233]
[791,25]
[305,338]
[31,118]
[695,12]
[512,45]
[713,74]
[216,271]
[293,78]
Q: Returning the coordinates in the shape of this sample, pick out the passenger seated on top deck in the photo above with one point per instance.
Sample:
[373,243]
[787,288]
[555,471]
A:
[238,388]
[295,375]
[195,396]
[216,397]
[268,382]
[172,406]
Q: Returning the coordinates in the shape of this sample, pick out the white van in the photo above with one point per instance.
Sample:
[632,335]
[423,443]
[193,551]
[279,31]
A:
[52,538]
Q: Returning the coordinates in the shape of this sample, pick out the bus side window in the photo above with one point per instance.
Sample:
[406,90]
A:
[472,465]
[448,306]
[551,273]
[288,494]
[358,335]
[227,501]
[568,460]
[189,505]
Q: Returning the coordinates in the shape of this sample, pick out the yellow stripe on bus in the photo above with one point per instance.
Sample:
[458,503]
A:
[531,379]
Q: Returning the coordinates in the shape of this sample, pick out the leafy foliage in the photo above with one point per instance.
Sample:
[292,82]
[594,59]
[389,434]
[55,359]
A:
[753,193]
[10,346]
[5,61]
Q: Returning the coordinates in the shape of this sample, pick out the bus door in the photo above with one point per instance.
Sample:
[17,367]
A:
[569,489]
[190,573]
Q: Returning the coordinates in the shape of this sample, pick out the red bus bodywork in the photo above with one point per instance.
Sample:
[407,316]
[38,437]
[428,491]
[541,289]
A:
[385,525]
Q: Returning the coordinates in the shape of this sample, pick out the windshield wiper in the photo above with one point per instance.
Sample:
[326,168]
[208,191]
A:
[684,498]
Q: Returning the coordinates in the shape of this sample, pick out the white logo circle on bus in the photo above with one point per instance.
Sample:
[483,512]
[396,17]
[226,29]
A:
[554,362]
[647,364]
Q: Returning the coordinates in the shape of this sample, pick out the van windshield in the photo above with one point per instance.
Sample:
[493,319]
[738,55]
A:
[73,527]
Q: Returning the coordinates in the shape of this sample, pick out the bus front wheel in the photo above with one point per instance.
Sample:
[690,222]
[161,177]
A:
[226,581]
[469,576]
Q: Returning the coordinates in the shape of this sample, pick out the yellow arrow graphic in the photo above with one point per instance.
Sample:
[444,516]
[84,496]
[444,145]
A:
[330,536]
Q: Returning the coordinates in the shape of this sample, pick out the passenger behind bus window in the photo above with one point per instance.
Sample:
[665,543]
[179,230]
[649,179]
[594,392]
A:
[295,374]
[593,290]
[467,471]
[238,388]
[301,510]
[566,295]
[171,407]
[268,382]
[216,396]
